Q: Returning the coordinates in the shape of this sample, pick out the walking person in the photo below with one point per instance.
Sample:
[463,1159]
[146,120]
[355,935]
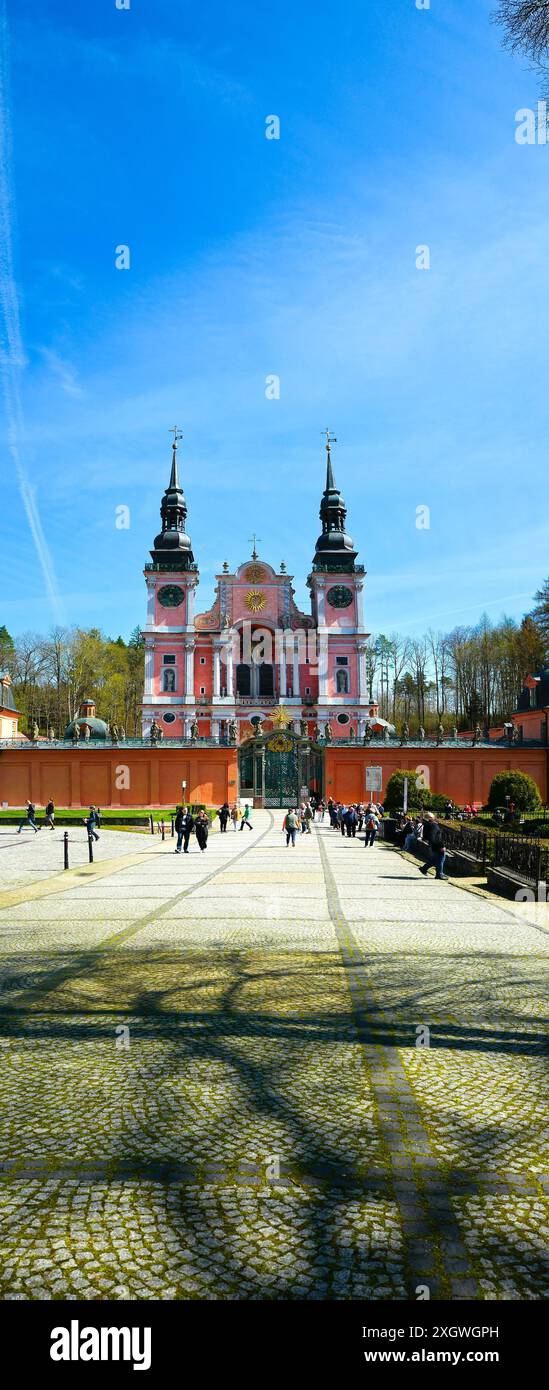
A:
[50,814]
[188,827]
[246,818]
[433,835]
[223,814]
[372,827]
[179,826]
[290,825]
[309,815]
[29,818]
[91,823]
[234,816]
[202,827]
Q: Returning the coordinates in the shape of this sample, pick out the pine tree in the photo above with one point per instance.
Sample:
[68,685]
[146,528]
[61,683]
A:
[540,615]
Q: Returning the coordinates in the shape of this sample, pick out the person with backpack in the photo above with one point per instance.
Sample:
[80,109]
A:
[290,825]
[223,814]
[92,822]
[372,826]
[434,839]
[29,818]
[246,818]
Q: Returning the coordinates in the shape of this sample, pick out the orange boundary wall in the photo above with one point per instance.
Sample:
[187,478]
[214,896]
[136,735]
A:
[463,774]
[118,776]
[153,777]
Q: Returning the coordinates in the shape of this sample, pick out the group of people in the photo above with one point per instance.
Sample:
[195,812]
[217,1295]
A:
[91,822]
[351,819]
[29,818]
[185,825]
[348,819]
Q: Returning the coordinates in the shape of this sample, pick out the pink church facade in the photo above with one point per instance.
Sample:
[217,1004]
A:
[220,674]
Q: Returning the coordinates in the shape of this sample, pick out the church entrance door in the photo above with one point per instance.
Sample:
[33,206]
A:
[281,771]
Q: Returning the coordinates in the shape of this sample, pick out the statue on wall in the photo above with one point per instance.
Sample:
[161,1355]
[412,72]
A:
[75,731]
[327,732]
[303,728]
[477,736]
[51,733]
[368,734]
[516,734]
[35,732]
[440,733]
[233,730]
[87,733]
[155,732]
[455,733]
[352,735]
[421,734]
[114,733]
[194,729]
[405,732]
[385,735]
[316,732]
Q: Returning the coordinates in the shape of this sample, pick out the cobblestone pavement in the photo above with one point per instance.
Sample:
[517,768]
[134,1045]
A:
[213,1083]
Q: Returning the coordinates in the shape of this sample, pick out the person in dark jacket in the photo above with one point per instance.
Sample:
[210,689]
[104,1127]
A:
[91,823]
[351,820]
[188,827]
[433,836]
[202,826]
[223,814]
[29,818]
[50,814]
[179,826]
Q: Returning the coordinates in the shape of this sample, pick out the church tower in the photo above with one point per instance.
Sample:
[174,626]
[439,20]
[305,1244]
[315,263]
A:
[171,579]
[336,583]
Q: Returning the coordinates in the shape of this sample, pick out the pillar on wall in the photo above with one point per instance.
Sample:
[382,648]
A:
[155,781]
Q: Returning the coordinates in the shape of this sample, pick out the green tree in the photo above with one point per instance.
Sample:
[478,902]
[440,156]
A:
[7,650]
[418,796]
[540,616]
[519,787]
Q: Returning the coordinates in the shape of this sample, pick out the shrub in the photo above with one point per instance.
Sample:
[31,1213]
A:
[519,787]
[418,795]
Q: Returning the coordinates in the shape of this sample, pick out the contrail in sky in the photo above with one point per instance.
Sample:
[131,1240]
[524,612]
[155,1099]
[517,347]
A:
[12,357]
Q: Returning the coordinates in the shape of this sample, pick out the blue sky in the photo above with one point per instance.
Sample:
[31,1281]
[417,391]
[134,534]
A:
[250,257]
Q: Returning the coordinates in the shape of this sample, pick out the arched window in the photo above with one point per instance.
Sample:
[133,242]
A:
[342,682]
[168,681]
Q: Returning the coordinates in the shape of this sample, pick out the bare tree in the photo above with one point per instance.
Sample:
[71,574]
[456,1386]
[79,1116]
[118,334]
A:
[526,26]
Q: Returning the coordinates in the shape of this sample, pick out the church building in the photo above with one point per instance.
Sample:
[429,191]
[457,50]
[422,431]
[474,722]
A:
[254,661]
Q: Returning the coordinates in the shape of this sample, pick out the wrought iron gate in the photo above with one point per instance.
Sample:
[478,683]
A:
[281,771]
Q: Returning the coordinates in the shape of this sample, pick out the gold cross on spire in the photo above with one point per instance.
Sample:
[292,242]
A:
[330,439]
[253,541]
[177,434]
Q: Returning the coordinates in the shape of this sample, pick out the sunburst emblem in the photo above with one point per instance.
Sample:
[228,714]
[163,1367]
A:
[255,601]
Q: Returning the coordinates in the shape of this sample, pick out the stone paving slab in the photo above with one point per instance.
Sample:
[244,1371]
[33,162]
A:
[211,1097]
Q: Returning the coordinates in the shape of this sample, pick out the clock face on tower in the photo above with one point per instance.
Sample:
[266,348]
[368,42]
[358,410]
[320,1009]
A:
[340,596]
[171,595]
